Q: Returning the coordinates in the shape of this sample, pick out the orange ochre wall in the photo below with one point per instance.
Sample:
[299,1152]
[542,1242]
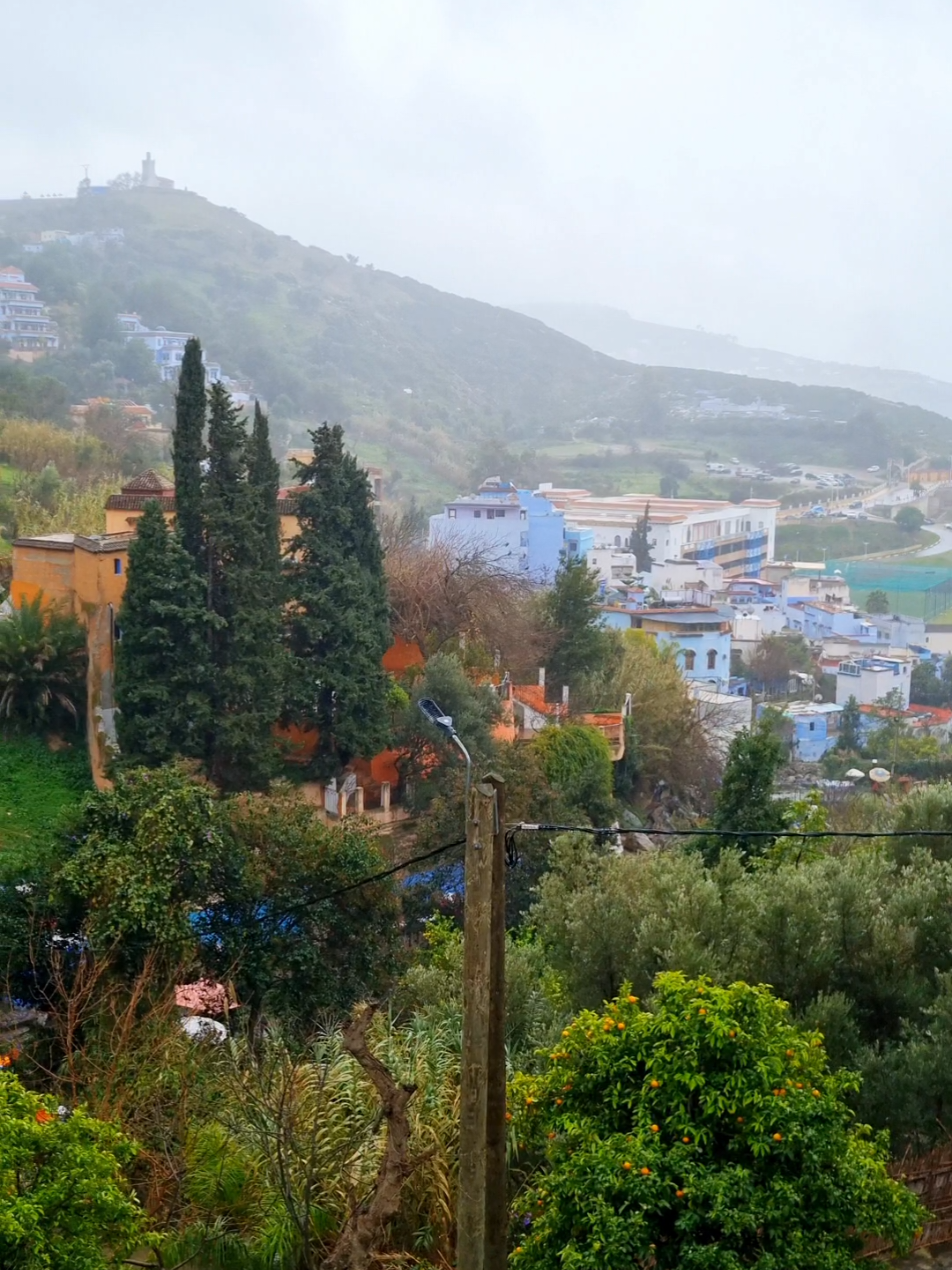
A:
[121,520]
[78,578]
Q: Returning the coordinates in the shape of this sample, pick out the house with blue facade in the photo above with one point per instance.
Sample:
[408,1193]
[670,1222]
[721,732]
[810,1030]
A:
[517,529]
[816,727]
[817,619]
[167,347]
[579,542]
[701,635]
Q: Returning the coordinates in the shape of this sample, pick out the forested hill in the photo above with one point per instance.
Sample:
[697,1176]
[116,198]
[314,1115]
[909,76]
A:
[421,379]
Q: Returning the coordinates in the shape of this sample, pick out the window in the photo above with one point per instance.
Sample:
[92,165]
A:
[451,513]
[523,515]
[711,658]
[477,514]
[617,540]
[689,657]
[491,513]
[117,565]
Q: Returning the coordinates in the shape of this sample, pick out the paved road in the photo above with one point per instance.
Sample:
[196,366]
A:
[938,548]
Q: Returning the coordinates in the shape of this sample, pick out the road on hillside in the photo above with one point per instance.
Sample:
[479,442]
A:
[938,548]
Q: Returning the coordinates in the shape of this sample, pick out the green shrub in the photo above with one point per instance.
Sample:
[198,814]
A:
[577,761]
[63,1198]
[704,1132]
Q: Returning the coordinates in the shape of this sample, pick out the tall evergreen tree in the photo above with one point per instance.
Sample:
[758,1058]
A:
[640,544]
[162,671]
[264,477]
[339,627]
[245,649]
[745,800]
[850,721]
[580,645]
[188,450]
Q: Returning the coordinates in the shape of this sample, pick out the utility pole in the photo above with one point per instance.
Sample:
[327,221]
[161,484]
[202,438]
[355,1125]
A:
[482,1211]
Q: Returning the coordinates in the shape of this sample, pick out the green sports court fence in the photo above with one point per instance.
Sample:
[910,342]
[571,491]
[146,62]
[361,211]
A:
[916,590]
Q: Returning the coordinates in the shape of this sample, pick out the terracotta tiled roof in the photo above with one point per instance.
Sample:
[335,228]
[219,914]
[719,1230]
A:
[150,482]
[533,695]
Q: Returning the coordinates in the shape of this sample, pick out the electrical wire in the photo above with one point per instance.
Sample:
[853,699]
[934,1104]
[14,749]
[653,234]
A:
[602,831]
[386,873]
[605,831]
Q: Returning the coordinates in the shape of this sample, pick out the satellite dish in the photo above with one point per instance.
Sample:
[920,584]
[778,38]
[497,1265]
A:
[879,774]
[854,774]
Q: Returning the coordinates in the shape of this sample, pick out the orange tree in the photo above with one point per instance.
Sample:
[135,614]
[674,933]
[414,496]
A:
[705,1133]
[64,1202]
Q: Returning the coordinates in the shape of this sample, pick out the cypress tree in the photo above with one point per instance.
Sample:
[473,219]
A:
[188,450]
[264,477]
[245,618]
[162,656]
[339,627]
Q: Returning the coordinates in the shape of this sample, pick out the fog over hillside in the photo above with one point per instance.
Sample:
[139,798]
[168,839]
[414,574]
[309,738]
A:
[617,333]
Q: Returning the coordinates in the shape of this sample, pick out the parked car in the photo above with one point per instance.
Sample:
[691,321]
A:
[857,506]
[874,468]
[819,511]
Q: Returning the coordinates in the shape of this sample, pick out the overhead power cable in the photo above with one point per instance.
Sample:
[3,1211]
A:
[607,831]
[601,831]
[386,873]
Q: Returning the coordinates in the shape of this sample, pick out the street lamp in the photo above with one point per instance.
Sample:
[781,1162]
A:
[444,723]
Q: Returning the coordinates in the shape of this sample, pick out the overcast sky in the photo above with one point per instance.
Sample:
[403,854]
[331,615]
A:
[776,169]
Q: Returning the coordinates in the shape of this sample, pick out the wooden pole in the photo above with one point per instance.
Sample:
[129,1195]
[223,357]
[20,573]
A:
[481,1216]
[497,1190]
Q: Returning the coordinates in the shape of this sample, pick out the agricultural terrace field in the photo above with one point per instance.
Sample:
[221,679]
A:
[36,787]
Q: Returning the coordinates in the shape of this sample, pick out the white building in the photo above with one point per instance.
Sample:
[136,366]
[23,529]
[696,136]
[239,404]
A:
[736,537]
[24,325]
[751,623]
[167,347]
[871,679]
[721,715]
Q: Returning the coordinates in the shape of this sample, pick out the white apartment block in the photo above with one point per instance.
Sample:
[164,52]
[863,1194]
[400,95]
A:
[737,537]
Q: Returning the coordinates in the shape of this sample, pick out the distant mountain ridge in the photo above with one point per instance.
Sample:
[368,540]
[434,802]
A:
[617,334]
[428,384]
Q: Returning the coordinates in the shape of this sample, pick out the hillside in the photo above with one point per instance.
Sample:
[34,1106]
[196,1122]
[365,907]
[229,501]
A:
[618,334]
[429,384]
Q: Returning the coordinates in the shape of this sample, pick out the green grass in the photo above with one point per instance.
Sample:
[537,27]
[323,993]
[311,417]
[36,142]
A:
[840,539]
[36,788]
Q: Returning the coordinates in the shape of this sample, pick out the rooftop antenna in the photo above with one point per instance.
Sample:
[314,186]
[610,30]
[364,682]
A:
[85,167]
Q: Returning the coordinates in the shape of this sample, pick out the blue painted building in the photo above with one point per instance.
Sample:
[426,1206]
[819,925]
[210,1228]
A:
[517,530]
[816,727]
[702,637]
[579,542]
